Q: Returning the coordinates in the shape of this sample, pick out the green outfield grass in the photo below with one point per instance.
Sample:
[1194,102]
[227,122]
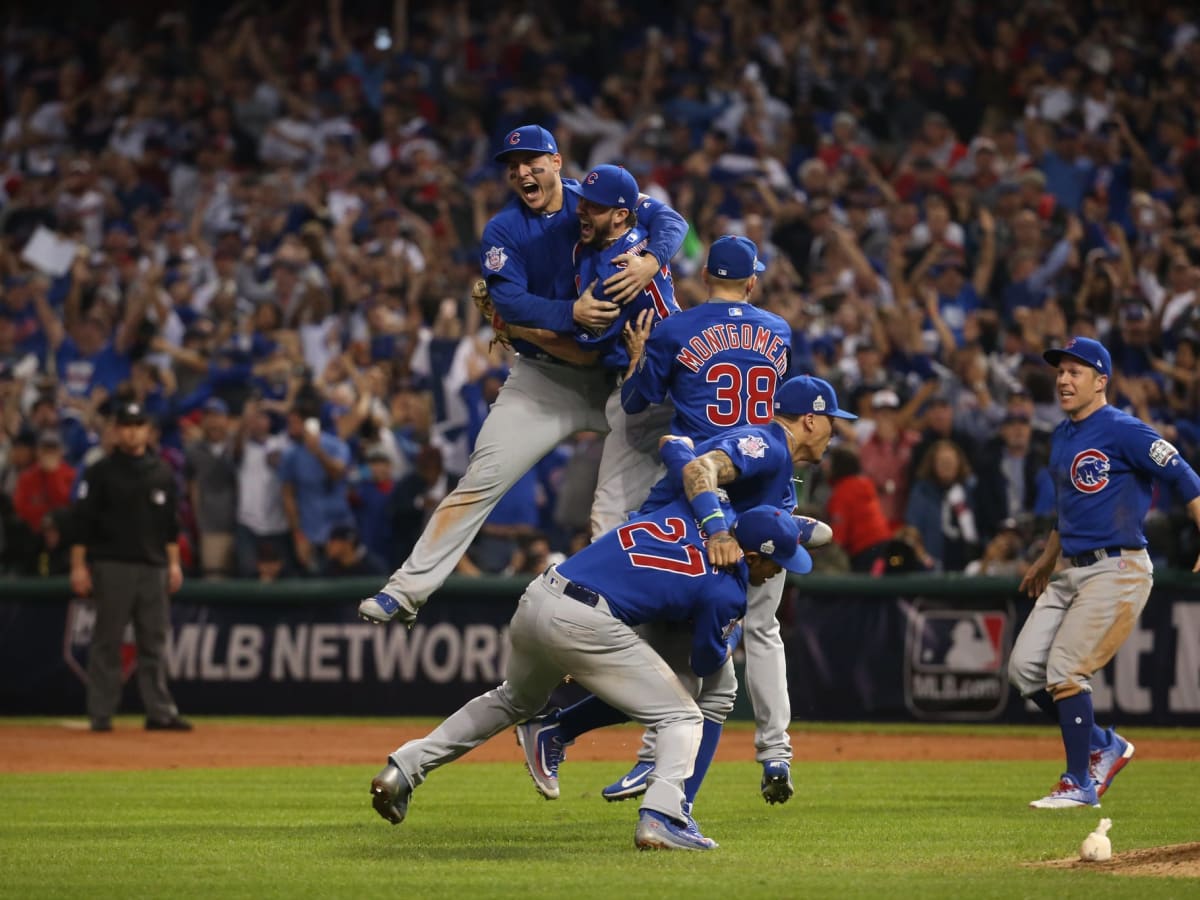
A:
[478,830]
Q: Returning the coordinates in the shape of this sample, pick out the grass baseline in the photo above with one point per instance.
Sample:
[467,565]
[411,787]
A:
[853,829]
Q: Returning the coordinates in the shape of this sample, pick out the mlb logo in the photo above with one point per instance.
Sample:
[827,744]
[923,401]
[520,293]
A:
[954,663]
[956,641]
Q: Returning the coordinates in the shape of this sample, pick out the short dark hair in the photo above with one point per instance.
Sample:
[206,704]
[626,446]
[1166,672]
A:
[843,462]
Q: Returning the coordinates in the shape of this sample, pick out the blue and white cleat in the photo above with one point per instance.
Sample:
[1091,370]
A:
[390,793]
[777,781]
[1107,762]
[382,608]
[813,532]
[1068,794]
[544,752]
[656,831]
[632,784]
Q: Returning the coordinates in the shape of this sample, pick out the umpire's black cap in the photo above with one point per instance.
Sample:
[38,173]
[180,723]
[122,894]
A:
[131,413]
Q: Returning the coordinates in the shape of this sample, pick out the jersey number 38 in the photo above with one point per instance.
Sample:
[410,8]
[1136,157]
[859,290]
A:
[743,398]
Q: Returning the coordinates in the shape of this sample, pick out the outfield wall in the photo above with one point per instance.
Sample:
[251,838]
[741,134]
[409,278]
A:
[899,648]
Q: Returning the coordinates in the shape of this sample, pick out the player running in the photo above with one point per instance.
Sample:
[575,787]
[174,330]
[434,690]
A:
[1104,463]
[578,618]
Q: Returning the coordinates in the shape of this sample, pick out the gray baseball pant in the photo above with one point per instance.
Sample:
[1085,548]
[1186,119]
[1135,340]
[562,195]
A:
[629,463]
[540,405]
[123,592]
[553,635]
[1078,624]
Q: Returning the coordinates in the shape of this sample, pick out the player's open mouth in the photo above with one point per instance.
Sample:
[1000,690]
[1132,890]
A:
[585,229]
[530,190]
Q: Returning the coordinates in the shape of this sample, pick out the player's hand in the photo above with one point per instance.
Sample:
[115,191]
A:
[81,581]
[1038,578]
[594,314]
[636,334]
[675,437]
[630,281]
[723,550]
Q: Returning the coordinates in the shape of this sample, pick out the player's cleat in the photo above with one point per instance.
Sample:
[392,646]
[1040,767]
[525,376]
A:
[1068,794]
[1108,761]
[656,831]
[777,781]
[693,828]
[384,607]
[101,724]
[813,532]
[544,752]
[632,784]
[390,792]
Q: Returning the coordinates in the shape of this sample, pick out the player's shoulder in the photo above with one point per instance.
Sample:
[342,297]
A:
[511,219]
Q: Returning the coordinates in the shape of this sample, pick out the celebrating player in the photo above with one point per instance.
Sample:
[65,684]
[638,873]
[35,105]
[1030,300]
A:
[1103,463]
[578,618]
[752,466]
[609,234]
[527,258]
[719,363]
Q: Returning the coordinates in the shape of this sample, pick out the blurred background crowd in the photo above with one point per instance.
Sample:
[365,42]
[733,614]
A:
[262,222]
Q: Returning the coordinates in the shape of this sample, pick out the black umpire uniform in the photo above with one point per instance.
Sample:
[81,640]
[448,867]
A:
[127,528]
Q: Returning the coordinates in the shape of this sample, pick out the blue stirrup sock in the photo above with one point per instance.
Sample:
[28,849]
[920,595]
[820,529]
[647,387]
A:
[709,739]
[1077,721]
[1100,736]
[588,714]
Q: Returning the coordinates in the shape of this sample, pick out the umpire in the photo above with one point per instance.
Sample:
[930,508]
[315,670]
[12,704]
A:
[127,528]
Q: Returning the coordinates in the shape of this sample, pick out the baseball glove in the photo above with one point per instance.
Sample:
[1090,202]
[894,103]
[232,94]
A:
[483,302]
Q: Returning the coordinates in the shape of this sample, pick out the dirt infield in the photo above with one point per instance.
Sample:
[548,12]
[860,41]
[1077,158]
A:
[68,745]
[1175,861]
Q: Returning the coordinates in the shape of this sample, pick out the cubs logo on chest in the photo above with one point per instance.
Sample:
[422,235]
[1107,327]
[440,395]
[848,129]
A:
[1089,471]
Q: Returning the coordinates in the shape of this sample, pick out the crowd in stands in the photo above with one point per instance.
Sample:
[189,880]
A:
[263,226]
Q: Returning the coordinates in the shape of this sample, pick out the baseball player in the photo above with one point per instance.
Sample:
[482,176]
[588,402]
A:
[1104,463]
[609,234]
[527,261]
[719,364]
[578,617]
[752,466]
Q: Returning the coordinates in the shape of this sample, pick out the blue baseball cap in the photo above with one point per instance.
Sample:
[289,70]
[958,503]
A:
[216,405]
[1087,351]
[608,186]
[806,394]
[526,139]
[773,533]
[733,257]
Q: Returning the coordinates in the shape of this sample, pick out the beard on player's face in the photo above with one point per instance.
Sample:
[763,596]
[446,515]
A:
[534,178]
[596,223]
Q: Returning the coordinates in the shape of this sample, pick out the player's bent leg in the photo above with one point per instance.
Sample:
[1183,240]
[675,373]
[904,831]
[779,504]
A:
[629,462]
[1031,649]
[766,671]
[534,411]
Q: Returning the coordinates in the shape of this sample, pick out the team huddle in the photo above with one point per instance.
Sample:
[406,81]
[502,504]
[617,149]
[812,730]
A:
[692,519]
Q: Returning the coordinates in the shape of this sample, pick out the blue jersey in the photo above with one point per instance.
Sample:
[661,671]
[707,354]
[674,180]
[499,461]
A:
[763,462]
[1103,470]
[527,259]
[719,362]
[655,568]
[596,266]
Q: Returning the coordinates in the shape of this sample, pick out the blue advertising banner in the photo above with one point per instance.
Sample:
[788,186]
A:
[858,649]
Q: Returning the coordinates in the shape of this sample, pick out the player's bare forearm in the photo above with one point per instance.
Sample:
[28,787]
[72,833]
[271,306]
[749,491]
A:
[1037,577]
[707,473]
[560,345]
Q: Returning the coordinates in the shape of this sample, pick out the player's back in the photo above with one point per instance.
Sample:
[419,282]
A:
[720,362]
[650,568]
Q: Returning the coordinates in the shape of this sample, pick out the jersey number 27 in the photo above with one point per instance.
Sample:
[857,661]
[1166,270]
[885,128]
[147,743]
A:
[683,560]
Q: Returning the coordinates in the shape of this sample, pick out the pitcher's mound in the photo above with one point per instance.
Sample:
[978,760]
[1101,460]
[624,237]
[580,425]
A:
[1175,861]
